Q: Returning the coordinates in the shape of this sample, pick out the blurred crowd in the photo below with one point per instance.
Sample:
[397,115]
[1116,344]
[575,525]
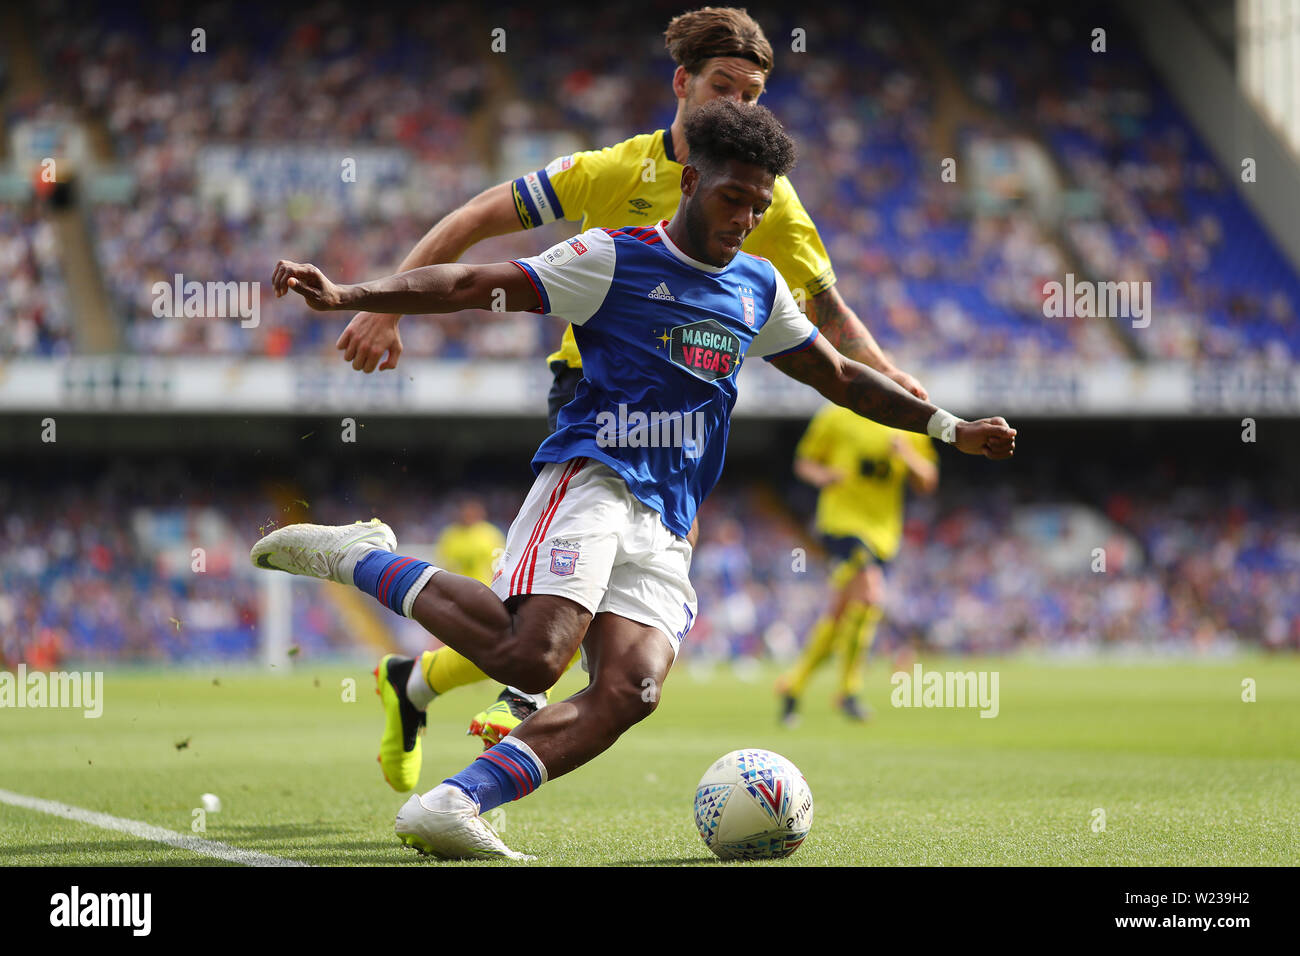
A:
[33,295]
[105,569]
[935,275]
[1178,572]
[328,83]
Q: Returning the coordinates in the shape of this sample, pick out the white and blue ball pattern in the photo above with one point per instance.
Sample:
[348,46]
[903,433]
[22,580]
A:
[753,805]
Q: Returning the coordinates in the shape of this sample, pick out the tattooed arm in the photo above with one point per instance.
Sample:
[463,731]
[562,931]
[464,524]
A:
[843,329]
[872,395]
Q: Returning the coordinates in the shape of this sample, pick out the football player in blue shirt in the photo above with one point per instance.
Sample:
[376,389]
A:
[597,558]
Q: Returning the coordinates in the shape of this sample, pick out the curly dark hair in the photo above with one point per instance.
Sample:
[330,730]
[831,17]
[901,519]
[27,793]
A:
[723,130]
[697,36]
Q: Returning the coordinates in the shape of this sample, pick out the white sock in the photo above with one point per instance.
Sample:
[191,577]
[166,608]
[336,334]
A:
[418,690]
[519,744]
[408,601]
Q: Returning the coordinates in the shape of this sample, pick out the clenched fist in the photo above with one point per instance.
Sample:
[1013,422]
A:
[990,437]
[309,282]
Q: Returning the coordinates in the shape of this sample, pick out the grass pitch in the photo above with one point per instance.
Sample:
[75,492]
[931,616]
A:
[1184,770]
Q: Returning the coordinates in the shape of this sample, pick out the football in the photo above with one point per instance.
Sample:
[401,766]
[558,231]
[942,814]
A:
[753,805]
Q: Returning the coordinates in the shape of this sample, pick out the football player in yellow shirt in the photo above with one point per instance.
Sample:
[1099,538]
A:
[720,52]
[861,467]
[472,545]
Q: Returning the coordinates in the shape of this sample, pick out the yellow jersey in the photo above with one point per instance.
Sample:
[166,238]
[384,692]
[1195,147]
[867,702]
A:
[639,182]
[868,503]
[471,550]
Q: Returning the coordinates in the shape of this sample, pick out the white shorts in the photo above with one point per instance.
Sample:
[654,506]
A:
[582,535]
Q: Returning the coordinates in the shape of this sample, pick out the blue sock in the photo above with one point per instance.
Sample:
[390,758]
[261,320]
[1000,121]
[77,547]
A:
[504,773]
[387,577]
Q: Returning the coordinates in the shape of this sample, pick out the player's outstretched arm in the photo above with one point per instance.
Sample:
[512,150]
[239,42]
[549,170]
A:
[851,338]
[372,334]
[498,287]
[872,395]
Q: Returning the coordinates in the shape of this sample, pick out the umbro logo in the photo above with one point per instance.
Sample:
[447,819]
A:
[661,292]
[639,205]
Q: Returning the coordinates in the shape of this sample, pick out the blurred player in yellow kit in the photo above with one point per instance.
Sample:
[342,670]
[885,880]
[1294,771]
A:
[721,52]
[861,467]
[471,545]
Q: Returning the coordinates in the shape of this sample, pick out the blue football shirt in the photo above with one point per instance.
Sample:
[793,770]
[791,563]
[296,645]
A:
[662,337]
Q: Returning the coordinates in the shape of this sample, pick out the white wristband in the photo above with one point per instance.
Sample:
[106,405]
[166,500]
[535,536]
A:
[943,426]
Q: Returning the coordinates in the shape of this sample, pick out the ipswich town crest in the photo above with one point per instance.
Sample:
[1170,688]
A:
[563,561]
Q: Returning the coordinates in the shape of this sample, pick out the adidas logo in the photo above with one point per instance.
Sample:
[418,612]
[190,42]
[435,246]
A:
[661,292]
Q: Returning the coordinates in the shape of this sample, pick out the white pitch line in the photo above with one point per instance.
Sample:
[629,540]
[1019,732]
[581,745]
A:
[146,831]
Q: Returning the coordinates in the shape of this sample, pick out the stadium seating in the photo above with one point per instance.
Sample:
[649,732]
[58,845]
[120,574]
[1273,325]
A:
[1166,212]
[935,279]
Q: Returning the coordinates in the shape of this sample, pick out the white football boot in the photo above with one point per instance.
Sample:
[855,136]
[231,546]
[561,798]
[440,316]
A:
[329,552]
[445,823]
